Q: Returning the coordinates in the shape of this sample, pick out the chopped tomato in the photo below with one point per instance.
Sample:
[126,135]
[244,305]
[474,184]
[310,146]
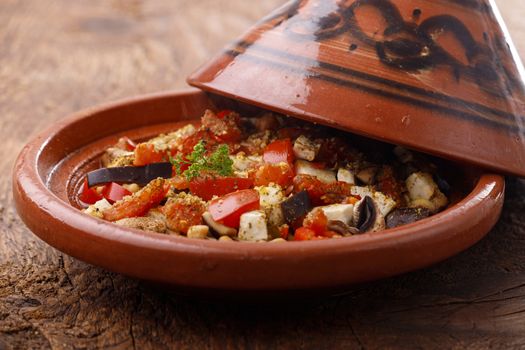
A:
[388,184]
[146,153]
[336,192]
[182,212]
[281,174]
[228,209]
[114,192]
[304,234]
[189,142]
[139,203]
[209,186]
[224,129]
[279,151]
[310,184]
[316,220]
[89,195]
[178,182]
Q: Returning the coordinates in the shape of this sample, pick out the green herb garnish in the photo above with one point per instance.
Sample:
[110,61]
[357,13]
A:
[218,162]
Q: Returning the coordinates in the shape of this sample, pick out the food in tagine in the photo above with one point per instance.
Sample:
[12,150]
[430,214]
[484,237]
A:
[267,178]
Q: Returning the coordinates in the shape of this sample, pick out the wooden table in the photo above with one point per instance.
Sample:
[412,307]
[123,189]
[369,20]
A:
[60,56]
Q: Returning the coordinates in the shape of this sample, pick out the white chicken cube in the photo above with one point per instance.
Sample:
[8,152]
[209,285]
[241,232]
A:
[270,195]
[97,208]
[253,226]
[345,175]
[339,212]
[270,198]
[242,162]
[307,168]
[304,148]
[420,186]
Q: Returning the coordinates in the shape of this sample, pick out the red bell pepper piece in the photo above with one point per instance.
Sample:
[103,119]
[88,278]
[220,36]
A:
[114,192]
[207,187]
[228,209]
[89,195]
[279,151]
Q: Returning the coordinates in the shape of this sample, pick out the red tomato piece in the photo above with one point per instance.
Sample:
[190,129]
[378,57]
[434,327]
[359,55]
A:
[138,204]
[207,187]
[89,195]
[183,212]
[113,192]
[316,220]
[189,142]
[279,151]
[228,209]
[310,184]
[281,174]
[224,129]
[146,154]
[304,234]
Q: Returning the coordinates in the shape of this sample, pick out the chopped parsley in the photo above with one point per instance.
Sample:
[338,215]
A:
[218,162]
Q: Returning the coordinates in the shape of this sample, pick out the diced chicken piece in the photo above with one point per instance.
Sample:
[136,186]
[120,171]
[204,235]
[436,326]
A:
[198,231]
[222,230]
[270,200]
[241,162]
[339,212]
[144,223]
[131,187]
[384,203]
[306,149]
[114,157]
[345,175]
[307,168]
[424,192]
[253,226]
[270,195]
[97,208]
[421,186]
[164,141]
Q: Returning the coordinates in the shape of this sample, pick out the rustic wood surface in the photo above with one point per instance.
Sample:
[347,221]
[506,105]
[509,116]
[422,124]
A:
[58,56]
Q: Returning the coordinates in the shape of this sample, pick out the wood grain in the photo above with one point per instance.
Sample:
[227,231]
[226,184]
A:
[58,56]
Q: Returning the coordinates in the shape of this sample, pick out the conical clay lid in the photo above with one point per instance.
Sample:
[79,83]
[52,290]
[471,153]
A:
[440,76]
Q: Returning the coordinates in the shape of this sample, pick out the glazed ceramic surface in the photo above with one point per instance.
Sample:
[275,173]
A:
[436,75]
[50,169]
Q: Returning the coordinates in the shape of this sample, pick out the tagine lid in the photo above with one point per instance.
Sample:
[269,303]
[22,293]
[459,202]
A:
[440,76]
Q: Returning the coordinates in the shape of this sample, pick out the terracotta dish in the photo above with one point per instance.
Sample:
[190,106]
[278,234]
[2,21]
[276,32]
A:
[51,167]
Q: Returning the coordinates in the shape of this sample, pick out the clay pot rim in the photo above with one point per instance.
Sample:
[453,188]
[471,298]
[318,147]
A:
[28,183]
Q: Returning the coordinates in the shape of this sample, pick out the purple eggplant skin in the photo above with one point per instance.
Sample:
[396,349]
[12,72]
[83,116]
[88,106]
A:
[403,216]
[296,207]
[141,175]
[367,214]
